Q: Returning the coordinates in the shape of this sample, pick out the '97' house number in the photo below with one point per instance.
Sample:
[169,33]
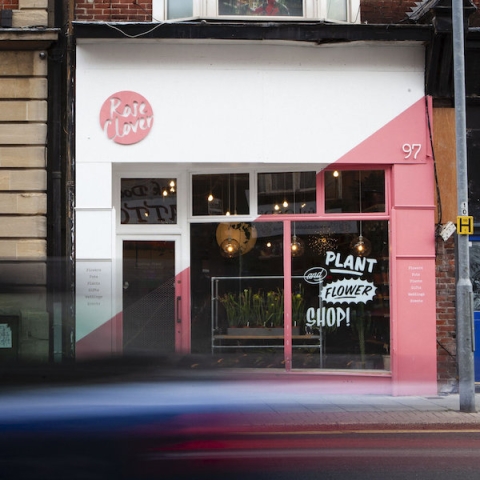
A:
[411,150]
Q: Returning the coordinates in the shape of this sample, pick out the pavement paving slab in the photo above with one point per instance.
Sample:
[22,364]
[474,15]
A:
[369,412]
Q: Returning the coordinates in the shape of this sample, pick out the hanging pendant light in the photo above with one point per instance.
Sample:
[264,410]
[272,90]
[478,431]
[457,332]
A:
[361,246]
[297,246]
[230,248]
[235,238]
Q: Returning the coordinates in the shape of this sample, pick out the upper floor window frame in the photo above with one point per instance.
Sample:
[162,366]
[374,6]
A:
[312,10]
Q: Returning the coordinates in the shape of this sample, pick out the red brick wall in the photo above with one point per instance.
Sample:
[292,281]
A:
[385,11]
[114,11]
[388,11]
[8,4]
[446,326]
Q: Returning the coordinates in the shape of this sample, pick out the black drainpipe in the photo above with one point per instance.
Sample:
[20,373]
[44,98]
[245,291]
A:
[56,199]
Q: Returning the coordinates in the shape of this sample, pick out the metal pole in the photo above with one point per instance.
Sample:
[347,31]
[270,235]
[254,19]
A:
[464,303]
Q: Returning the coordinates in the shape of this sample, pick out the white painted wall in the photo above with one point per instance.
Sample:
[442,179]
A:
[245,102]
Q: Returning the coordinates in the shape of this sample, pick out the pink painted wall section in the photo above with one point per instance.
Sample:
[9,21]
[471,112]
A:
[103,341]
[405,144]
[413,293]
[414,355]
[413,186]
[414,232]
[404,140]
[182,325]
[107,339]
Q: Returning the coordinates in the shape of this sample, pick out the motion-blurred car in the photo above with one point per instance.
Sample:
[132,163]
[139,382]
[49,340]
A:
[134,419]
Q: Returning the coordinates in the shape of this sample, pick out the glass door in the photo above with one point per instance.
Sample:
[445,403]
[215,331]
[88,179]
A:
[149,296]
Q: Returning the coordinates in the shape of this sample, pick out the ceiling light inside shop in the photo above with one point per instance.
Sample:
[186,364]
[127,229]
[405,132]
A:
[361,246]
[297,246]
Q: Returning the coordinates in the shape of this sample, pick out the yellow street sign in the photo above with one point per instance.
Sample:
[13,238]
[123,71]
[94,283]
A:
[465,225]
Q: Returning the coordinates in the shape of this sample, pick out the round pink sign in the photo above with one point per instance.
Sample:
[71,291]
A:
[126,117]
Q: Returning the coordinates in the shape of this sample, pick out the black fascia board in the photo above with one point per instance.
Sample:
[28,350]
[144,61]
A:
[313,32]
[472,39]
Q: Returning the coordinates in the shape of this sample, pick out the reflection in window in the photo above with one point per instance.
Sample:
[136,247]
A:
[359,191]
[345,297]
[220,194]
[148,200]
[287,193]
[261,7]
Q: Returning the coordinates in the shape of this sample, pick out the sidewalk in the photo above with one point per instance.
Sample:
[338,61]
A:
[369,412]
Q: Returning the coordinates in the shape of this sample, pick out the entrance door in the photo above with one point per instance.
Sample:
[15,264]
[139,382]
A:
[149,309]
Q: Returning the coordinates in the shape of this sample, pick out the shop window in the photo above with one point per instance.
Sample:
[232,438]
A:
[287,193]
[341,295]
[238,299]
[354,191]
[148,201]
[220,194]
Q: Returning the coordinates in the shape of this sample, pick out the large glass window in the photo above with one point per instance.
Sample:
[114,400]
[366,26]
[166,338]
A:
[341,295]
[148,200]
[354,191]
[336,298]
[238,304]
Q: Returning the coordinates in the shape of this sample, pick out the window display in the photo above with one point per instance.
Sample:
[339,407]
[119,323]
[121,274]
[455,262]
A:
[237,312]
[338,299]
[346,295]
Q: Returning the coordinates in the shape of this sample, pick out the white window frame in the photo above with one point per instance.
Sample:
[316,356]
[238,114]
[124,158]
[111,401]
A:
[313,9]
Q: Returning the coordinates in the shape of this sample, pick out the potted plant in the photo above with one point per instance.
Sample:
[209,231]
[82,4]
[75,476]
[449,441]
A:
[261,312]
[298,308]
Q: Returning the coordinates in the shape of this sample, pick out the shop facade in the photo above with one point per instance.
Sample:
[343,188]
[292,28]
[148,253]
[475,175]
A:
[266,205]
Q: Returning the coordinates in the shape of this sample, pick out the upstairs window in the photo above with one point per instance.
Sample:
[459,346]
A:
[333,10]
[271,8]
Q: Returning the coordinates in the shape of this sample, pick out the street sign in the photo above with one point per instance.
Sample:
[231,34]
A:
[465,225]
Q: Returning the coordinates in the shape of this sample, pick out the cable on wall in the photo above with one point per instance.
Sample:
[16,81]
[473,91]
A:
[437,185]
